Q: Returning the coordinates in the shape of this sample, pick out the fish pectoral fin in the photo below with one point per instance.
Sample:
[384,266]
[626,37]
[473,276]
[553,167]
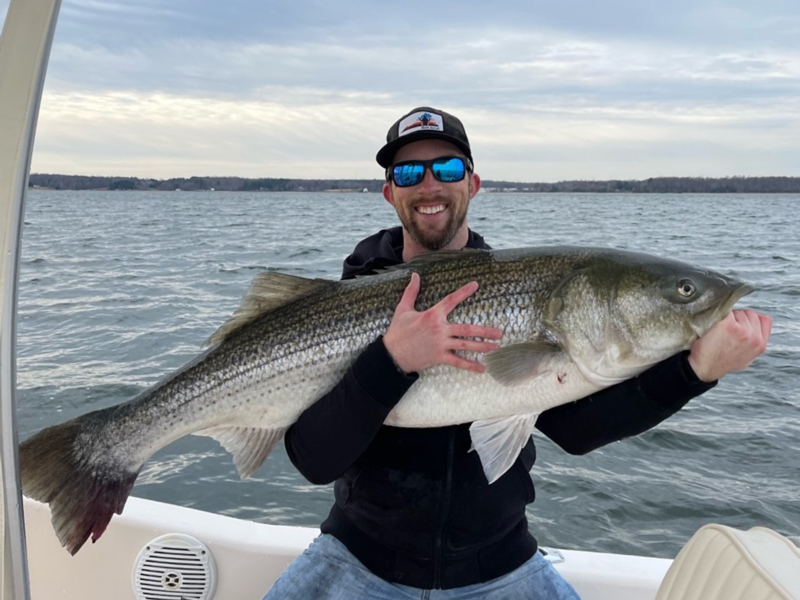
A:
[498,442]
[267,292]
[515,364]
[250,446]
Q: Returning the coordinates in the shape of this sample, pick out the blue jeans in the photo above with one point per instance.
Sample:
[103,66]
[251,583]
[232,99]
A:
[327,571]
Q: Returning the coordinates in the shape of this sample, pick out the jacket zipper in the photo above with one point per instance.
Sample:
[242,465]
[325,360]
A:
[438,556]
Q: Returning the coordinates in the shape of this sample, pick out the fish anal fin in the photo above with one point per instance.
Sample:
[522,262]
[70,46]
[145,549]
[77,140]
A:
[517,363]
[249,446]
[267,292]
[498,442]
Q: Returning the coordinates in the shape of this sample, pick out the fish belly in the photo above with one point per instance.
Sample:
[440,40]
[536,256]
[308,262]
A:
[445,396]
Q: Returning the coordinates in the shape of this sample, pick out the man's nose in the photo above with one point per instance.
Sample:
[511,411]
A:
[429,181]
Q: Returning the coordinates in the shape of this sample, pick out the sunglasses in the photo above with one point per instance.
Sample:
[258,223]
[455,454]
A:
[447,169]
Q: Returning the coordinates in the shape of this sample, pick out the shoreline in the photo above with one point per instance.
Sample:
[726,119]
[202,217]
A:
[656,185]
[481,193]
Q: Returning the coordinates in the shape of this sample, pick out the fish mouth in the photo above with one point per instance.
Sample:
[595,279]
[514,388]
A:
[743,290]
[705,319]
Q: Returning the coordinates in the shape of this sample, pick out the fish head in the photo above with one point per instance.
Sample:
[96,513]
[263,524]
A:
[620,313]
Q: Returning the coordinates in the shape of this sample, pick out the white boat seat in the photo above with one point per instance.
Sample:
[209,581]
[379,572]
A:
[722,563]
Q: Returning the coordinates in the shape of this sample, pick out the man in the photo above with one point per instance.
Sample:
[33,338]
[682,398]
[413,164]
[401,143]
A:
[414,516]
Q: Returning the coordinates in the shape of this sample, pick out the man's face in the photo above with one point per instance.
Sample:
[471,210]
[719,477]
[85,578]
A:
[432,212]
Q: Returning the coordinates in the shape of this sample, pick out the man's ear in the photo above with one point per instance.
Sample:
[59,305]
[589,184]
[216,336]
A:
[387,193]
[474,185]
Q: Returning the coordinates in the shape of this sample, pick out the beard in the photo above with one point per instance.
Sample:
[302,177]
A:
[436,239]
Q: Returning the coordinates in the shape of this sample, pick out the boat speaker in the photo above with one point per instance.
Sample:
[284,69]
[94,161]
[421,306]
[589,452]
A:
[175,567]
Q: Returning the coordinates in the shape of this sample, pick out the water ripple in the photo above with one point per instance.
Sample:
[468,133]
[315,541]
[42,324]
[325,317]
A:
[119,289]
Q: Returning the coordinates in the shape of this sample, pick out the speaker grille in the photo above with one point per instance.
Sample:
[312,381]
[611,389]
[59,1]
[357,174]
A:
[174,567]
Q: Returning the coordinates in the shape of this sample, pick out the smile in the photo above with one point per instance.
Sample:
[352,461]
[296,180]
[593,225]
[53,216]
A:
[431,210]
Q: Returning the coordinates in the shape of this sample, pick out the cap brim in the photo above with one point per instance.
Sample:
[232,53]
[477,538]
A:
[385,155]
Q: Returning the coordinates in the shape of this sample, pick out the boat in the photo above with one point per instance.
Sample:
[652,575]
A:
[158,551]
[250,556]
[161,551]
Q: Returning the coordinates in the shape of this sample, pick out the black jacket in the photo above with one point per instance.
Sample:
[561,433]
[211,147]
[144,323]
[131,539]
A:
[413,505]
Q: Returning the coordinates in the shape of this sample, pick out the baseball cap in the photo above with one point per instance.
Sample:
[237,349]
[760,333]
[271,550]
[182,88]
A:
[423,123]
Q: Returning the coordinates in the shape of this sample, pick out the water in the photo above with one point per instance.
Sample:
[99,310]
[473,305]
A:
[117,289]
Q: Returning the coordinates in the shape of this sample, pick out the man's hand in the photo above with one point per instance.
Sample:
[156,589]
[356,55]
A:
[417,340]
[730,345]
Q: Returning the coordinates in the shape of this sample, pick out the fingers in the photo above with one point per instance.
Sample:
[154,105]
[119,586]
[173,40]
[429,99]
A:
[449,302]
[740,316]
[459,333]
[463,363]
[467,345]
[760,325]
[409,299]
[747,317]
[766,326]
[465,330]
[472,345]
[418,340]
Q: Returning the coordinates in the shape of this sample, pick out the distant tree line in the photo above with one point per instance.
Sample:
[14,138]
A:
[231,184]
[660,185]
[655,185]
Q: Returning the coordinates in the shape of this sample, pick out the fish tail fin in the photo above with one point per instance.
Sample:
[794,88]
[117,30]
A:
[83,495]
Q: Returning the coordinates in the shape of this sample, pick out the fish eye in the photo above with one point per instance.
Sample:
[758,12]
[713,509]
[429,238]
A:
[686,288]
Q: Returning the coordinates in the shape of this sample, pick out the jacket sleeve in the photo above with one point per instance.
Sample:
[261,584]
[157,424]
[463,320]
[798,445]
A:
[626,409]
[334,431]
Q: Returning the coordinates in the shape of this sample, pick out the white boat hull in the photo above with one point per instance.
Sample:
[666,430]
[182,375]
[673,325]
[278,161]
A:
[250,556]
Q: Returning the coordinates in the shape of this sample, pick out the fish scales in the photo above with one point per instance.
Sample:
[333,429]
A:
[252,377]
[575,320]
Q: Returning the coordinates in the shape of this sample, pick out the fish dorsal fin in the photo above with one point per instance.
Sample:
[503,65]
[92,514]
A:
[439,255]
[516,364]
[498,442]
[422,260]
[267,292]
[249,446]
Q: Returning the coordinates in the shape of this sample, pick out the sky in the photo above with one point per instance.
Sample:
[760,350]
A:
[548,90]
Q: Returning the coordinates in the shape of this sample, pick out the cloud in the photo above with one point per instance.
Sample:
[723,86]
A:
[522,65]
[310,133]
[164,135]
[302,87]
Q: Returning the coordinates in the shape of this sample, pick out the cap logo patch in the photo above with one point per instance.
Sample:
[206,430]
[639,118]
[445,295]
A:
[421,121]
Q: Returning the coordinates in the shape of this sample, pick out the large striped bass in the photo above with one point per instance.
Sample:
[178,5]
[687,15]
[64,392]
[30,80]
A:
[575,320]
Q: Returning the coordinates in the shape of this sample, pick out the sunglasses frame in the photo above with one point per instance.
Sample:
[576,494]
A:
[427,165]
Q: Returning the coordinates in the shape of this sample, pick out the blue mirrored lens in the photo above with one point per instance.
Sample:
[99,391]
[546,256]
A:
[448,170]
[408,174]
